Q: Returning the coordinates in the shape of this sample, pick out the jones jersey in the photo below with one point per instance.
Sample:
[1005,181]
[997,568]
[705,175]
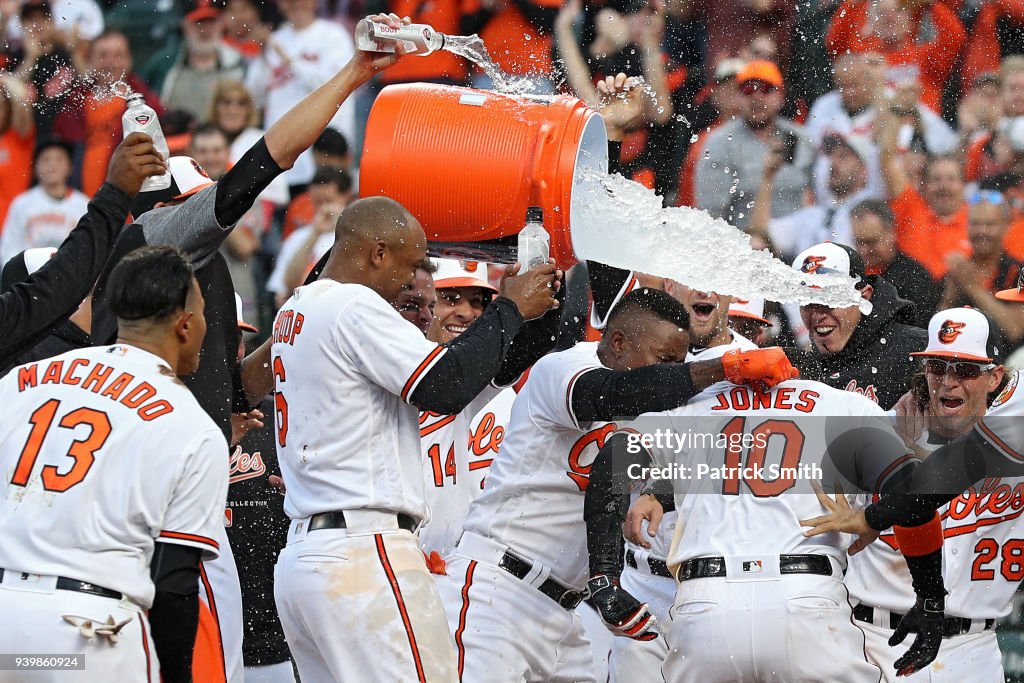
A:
[345,364]
[106,452]
[457,453]
[533,497]
[662,541]
[982,555]
[748,499]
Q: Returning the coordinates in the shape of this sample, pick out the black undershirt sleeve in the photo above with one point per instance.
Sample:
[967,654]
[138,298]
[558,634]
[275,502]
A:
[606,503]
[238,189]
[948,472]
[174,616]
[603,394]
[470,362]
[535,339]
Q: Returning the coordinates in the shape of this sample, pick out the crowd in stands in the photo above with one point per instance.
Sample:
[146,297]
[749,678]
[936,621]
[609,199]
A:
[894,126]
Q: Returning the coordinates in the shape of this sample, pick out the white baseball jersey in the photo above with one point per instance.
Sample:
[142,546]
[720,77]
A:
[106,453]
[457,452]
[758,511]
[661,543]
[1002,426]
[982,551]
[345,364]
[36,219]
[533,498]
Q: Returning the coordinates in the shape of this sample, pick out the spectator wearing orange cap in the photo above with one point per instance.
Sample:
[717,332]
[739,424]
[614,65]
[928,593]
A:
[729,174]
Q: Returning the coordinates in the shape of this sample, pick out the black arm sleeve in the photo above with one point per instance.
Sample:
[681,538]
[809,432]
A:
[174,616]
[31,308]
[603,394]
[238,189]
[607,284]
[948,472]
[606,503]
[470,362]
[535,339]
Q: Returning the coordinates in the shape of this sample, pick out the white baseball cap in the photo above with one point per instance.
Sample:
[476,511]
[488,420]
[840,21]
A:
[451,273]
[830,257]
[752,310]
[242,325]
[960,333]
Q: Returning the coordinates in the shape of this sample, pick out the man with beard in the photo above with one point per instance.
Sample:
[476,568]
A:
[867,353]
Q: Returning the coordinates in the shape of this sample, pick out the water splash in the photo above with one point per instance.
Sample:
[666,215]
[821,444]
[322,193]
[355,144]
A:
[627,226]
[473,48]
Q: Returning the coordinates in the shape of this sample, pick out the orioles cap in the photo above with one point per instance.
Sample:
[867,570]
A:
[832,257]
[752,309]
[962,333]
[760,70]
[242,325]
[452,273]
[1015,294]
[187,178]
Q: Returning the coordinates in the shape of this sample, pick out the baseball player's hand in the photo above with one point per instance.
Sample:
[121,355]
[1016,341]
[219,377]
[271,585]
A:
[925,618]
[533,292]
[646,508]
[621,613]
[243,423]
[134,160]
[761,369]
[840,517]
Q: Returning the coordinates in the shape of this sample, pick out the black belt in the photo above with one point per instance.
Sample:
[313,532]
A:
[64,584]
[951,626]
[708,567]
[335,519]
[657,567]
[566,597]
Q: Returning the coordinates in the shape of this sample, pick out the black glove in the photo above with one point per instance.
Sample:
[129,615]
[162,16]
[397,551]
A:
[621,613]
[925,618]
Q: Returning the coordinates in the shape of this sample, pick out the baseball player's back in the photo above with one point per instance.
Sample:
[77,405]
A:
[741,476]
[108,453]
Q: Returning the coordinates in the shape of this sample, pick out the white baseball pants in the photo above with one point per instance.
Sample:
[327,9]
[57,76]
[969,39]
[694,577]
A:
[636,660]
[969,658]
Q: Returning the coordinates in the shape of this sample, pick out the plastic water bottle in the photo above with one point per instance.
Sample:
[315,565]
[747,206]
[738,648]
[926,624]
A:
[140,118]
[534,241]
[419,39]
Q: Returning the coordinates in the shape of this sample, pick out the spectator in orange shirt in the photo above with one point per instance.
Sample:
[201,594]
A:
[441,66]
[518,34]
[987,154]
[890,27]
[931,224]
[996,31]
[17,141]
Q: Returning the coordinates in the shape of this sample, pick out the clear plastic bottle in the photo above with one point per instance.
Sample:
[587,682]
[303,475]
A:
[534,241]
[419,39]
[140,118]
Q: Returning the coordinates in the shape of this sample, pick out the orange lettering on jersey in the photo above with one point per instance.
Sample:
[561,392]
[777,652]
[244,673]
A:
[139,395]
[722,404]
[27,377]
[53,373]
[69,376]
[242,465]
[487,436]
[287,327]
[993,497]
[118,386]
[152,411]
[761,401]
[740,399]
[783,398]
[96,377]
[807,400]
[583,452]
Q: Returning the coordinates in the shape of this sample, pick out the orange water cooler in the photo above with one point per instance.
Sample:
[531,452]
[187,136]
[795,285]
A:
[467,163]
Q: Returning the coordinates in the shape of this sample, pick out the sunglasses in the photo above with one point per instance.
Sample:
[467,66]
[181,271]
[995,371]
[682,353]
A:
[754,86]
[961,369]
[987,196]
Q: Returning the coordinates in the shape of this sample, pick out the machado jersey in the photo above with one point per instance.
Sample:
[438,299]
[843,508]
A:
[457,453]
[345,364]
[106,452]
[747,499]
[533,498]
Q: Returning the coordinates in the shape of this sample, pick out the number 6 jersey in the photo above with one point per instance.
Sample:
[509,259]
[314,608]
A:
[104,453]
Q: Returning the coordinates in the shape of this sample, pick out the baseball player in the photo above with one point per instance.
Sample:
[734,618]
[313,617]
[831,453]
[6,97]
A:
[349,371]
[112,431]
[646,575]
[747,319]
[756,599]
[993,448]
[522,554]
[982,540]
[417,303]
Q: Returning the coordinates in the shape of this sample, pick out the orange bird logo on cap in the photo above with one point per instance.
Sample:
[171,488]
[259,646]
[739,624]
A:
[950,331]
[812,264]
[199,169]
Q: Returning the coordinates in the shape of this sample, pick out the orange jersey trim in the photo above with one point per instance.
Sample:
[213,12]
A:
[418,372]
[382,554]
[190,537]
[462,616]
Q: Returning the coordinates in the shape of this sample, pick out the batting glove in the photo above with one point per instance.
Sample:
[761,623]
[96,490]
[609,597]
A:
[621,613]
[761,369]
[925,618]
